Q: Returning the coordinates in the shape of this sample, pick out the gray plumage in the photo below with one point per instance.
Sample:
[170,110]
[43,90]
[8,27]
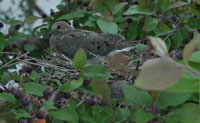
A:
[68,41]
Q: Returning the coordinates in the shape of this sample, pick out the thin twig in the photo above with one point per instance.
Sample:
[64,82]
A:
[54,95]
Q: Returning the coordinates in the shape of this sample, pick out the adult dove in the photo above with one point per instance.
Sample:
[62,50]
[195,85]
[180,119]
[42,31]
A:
[67,40]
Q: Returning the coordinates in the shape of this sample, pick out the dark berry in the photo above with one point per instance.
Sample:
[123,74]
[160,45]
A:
[197,5]
[86,3]
[102,102]
[37,103]
[126,30]
[64,79]
[79,2]
[47,92]
[178,54]
[63,102]
[86,82]
[27,69]
[173,17]
[1,90]
[17,27]
[19,93]
[44,16]
[14,46]
[25,101]
[22,120]
[41,114]
[52,12]
[89,9]
[196,49]
[129,20]
[25,81]
[21,71]
[180,25]
[135,2]
[1,25]
[68,95]
[90,101]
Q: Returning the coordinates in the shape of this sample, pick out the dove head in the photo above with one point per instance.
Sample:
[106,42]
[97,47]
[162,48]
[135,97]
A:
[61,27]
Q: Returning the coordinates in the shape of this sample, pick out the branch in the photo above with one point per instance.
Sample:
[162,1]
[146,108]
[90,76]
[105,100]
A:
[15,59]
[33,6]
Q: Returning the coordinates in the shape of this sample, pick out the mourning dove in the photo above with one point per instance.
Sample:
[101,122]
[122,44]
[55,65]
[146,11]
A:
[67,40]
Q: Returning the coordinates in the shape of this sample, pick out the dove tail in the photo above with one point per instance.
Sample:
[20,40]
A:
[116,37]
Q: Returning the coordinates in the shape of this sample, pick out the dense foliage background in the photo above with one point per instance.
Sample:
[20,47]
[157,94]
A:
[166,89]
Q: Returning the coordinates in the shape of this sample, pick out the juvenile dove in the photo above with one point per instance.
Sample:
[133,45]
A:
[67,40]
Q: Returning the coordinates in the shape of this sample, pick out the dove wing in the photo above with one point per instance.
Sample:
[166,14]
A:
[111,42]
[71,42]
[67,45]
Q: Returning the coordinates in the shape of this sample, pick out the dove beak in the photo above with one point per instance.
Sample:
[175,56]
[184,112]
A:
[50,33]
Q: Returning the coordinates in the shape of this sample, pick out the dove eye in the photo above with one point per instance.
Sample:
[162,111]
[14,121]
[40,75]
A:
[58,27]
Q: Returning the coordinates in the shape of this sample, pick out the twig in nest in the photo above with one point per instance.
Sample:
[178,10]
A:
[98,58]
[15,59]
[54,95]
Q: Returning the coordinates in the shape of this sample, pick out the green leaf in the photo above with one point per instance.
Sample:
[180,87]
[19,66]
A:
[136,9]
[34,88]
[8,97]
[194,10]
[72,15]
[150,24]
[186,113]
[29,47]
[132,32]
[195,57]
[141,47]
[184,86]
[118,7]
[198,1]
[35,76]
[61,114]
[194,22]
[85,117]
[122,115]
[177,39]
[91,22]
[190,47]
[110,4]
[102,114]
[80,59]
[185,32]
[171,99]
[175,5]
[107,27]
[135,96]
[195,66]
[168,43]
[102,89]
[164,4]
[71,109]
[71,85]
[21,113]
[95,71]
[158,74]
[163,27]
[5,77]
[31,19]
[2,41]
[140,116]
[189,75]
[48,105]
